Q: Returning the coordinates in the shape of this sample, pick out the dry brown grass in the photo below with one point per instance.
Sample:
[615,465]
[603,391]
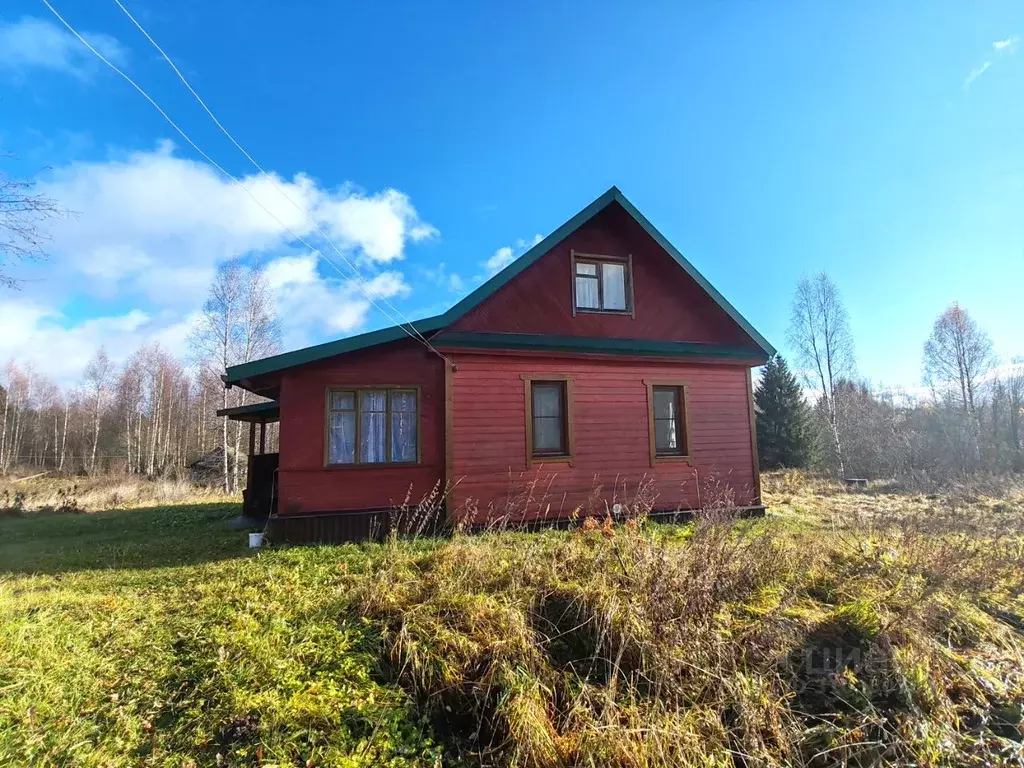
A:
[822,501]
[868,628]
[98,493]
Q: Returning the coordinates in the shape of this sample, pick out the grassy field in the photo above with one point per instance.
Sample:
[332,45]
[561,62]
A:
[844,629]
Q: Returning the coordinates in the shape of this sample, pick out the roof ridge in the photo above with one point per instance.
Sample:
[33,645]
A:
[613,194]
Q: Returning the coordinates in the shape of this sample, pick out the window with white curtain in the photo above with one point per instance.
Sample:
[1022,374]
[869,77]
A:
[372,426]
[548,417]
[667,403]
[602,284]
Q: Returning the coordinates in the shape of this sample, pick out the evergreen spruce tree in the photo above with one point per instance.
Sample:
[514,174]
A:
[785,436]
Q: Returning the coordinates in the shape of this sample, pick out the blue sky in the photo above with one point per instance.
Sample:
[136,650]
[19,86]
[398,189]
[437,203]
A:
[878,141]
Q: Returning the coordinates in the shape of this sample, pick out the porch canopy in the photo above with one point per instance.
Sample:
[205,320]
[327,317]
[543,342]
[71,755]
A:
[256,413]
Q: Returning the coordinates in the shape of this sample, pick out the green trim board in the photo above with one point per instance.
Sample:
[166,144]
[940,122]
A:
[595,345]
[691,270]
[269,410]
[235,374]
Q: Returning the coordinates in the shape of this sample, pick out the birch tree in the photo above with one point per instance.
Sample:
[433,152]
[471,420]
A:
[98,374]
[819,331]
[214,339]
[958,354]
[1015,395]
[259,334]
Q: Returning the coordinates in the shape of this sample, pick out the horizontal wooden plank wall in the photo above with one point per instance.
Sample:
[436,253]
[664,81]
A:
[306,485]
[327,528]
[669,305]
[612,455]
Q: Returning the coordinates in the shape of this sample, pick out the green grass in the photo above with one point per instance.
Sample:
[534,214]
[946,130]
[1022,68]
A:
[154,637]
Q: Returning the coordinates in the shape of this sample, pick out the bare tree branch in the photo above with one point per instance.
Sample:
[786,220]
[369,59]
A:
[22,213]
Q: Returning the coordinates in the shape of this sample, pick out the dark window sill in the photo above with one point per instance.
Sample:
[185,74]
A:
[551,458]
[623,312]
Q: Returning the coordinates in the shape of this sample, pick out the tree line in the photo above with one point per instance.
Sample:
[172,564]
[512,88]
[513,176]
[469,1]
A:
[971,419]
[156,413]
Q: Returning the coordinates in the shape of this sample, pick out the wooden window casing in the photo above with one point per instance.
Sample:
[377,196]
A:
[682,421]
[566,382]
[355,392]
[599,261]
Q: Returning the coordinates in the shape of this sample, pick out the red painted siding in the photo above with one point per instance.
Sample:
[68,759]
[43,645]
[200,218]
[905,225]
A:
[669,304]
[611,438]
[305,484]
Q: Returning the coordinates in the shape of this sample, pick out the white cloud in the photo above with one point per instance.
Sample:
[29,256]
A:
[443,277]
[975,73]
[308,302]
[501,259]
[525,245]
[1001,47]
[35,334]
[149,229]
[154,224]
[32,43]
[380,224]
[507,254]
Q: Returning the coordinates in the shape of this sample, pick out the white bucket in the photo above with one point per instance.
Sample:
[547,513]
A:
[255,540]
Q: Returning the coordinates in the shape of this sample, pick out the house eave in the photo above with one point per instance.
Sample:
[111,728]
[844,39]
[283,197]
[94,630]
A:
[456,340]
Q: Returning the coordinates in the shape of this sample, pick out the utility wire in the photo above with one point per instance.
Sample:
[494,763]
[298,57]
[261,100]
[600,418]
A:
[413,333]
[250,158]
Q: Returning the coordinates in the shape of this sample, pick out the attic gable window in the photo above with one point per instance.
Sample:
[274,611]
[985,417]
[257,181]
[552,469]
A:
[602,284]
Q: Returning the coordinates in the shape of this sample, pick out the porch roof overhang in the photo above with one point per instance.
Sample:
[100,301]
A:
[256,413]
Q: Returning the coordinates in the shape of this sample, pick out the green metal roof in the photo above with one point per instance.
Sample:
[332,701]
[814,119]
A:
[237,373]
[268,410]
[322,351]
[595,345]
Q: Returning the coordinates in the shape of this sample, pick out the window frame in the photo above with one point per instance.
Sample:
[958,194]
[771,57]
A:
[566,380]
[356,390]
[599,260]
[682,422]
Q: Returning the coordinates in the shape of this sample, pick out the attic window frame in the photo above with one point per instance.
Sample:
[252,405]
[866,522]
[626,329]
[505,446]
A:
[599,260]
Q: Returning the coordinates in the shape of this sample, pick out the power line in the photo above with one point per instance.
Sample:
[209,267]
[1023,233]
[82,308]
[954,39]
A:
[249,157]
[414,333]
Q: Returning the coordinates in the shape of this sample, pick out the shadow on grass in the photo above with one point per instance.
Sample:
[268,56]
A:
[146,537]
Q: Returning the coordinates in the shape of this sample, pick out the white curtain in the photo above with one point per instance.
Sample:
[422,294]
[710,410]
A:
[341,443]
[613,278]
[373,418]
[586,293]
[403,426]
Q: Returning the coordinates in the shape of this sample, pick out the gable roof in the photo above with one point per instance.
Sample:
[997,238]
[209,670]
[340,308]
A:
[237,373]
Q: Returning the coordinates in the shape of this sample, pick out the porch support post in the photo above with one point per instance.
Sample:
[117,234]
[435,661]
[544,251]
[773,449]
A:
[263,437]
[252,439]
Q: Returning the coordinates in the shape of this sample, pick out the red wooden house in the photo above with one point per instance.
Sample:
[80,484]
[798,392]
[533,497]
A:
[598,365]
